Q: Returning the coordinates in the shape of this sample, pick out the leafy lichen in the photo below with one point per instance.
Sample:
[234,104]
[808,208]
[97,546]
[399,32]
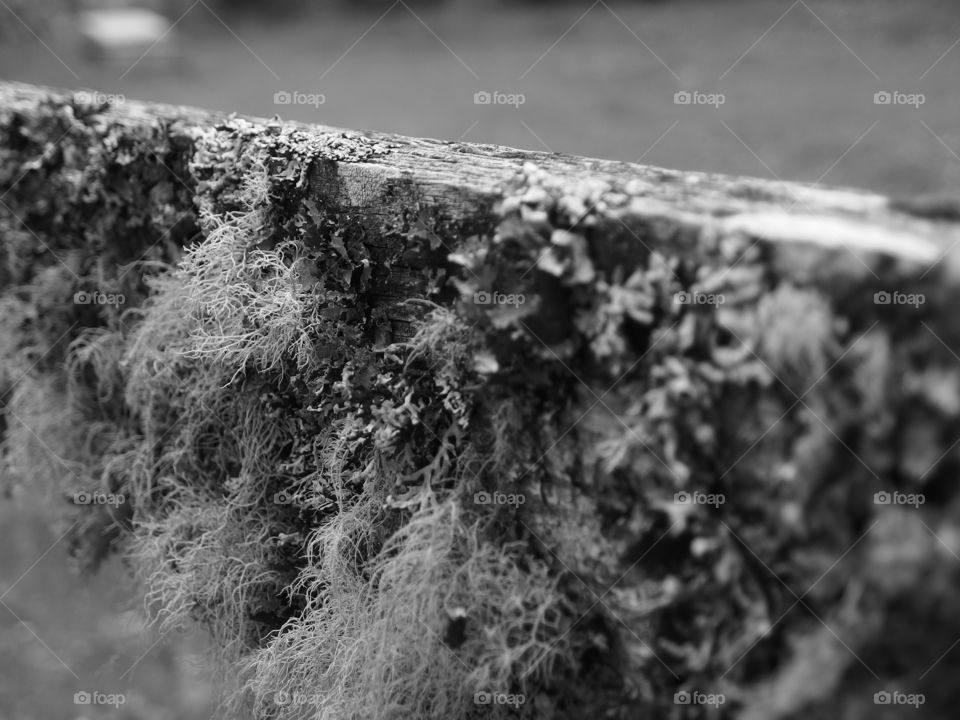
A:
[307,428]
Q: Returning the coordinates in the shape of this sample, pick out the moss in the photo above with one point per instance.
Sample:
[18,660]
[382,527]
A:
[307,428]
[378,643]
[283,465]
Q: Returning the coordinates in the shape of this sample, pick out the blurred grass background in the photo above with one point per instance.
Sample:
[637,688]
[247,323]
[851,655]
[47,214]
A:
[63,633]
[599,80]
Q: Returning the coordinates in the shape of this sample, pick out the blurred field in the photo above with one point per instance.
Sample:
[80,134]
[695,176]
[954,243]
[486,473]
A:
[796,103]
[63,634]
[799,82]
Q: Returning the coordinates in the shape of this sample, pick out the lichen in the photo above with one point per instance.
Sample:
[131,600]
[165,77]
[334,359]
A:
[311,431]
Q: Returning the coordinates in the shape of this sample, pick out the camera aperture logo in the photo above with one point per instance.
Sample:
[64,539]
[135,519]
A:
[95,697]
[896,297]
[483,97]
[698,298]
[884,97]
[94,97]
[695,697]
[894,497]
[484,697]
[685,497]
[498,498]
[895,697]
[283,497]
[295,97]
[686,97]
[95,297]
[487,297]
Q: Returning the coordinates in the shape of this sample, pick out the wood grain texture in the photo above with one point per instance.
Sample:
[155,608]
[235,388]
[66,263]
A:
[370,173]
[805,390]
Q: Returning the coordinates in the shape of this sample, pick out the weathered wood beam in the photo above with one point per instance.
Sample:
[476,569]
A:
[788,350]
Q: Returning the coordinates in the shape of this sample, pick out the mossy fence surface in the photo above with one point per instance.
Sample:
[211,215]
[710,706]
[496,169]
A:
[420,429]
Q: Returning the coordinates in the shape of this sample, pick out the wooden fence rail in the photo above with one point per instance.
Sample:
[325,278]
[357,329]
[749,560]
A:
[432,429]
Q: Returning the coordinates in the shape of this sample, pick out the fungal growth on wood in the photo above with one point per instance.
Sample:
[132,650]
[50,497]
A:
[407,436]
